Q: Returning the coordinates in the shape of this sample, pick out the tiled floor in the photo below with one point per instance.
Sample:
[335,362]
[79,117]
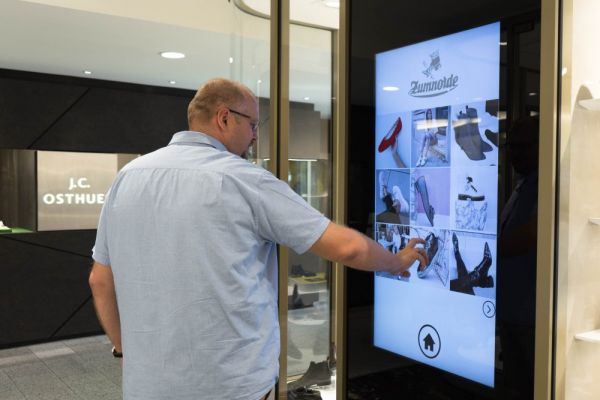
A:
[78,369]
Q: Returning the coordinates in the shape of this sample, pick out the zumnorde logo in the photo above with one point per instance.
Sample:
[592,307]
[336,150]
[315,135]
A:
[433,86]
[74,198]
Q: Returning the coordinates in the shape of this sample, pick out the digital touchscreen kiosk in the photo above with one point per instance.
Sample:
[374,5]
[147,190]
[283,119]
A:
[436,155]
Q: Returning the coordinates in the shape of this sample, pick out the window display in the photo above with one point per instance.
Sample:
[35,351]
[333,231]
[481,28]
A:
[436,156]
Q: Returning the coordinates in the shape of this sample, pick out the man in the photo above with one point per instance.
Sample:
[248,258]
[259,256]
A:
[185,272]
[517,261]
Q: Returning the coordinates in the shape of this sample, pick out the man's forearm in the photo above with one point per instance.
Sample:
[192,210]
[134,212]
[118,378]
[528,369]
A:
[369,255]
[105,302]
[108,314]
[352,248]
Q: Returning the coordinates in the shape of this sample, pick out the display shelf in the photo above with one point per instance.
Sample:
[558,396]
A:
[590,104]
[591,336]
[595,221]
[15,230]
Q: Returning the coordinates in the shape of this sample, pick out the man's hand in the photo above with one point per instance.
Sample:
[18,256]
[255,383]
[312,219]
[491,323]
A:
[408,256]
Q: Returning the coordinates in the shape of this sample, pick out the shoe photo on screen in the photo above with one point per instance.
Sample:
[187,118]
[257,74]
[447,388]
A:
[470,192]
[391,136]
[421,186]
[492,136]
[466,134]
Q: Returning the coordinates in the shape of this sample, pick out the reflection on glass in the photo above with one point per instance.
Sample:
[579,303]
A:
[310,361]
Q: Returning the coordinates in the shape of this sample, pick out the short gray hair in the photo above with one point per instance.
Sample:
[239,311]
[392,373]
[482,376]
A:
[214,93]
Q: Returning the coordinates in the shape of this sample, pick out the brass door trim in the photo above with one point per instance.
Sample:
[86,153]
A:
[279,136]
[340,174]
[547,200]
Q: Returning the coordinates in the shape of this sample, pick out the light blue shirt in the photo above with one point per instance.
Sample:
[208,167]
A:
[189,232]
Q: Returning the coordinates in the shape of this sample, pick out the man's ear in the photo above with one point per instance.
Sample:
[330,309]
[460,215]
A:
[222,117]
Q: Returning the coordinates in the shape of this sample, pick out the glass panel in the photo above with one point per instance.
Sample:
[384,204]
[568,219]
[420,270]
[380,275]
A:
[578,294]
[250,64]
[87,77]
[310,360]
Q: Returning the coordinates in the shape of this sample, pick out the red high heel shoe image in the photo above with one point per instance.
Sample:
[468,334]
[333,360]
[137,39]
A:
[391,136]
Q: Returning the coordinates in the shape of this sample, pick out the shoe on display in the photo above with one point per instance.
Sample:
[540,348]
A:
[421,187]
[391,136]
[4,228]
[492,136]
[470,192]
[293,351]
[303,393]
[297,302]
[298,271]
[318,374]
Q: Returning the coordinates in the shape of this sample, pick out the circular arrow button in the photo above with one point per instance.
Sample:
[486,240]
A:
[489,309]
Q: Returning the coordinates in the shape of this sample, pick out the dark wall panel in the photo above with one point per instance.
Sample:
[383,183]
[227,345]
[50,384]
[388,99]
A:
[42,286]
[118,121]
[28,108]
[44,291]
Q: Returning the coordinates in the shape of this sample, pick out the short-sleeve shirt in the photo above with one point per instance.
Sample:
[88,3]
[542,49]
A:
[190,233]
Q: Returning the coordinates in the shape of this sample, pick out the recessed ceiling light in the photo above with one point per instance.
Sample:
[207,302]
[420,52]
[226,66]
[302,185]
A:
[259,81]
[86,72]
[332,3]
[533,94]
[230,60]
[172,55]
[503,43]
[172,82]
[307,98]
[391,88]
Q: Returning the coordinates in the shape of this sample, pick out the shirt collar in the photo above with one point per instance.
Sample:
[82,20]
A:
[192,137]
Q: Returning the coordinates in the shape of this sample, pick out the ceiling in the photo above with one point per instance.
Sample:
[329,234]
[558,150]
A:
[121,40]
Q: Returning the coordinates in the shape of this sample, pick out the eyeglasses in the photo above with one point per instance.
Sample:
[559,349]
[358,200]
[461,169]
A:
[253,124]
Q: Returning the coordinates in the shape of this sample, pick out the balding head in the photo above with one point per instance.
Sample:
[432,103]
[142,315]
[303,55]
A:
[213,94]
[227,111]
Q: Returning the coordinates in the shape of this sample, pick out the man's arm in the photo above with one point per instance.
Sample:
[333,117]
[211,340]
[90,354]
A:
[105,301]
[347,246]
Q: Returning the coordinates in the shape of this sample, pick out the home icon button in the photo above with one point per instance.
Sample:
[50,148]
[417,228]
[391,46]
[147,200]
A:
[429,341]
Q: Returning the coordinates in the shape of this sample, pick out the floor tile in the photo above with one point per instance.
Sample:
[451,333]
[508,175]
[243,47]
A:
[78,369]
